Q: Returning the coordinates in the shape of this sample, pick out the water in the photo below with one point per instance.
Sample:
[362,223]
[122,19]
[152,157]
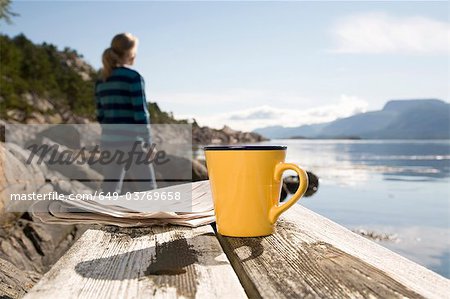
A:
[399,187]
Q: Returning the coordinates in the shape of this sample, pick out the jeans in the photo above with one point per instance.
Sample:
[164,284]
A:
[139,176]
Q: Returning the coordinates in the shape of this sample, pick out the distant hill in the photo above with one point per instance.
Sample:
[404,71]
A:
[40,78]
[399,119]
[41,84]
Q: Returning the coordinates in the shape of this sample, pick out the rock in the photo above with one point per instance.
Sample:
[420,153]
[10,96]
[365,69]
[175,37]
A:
[36,118]
[71,187]
[78,64]
[27,248]
[206,135]
[16,115]
[67,116]
[283,193]
[40,118]
[313,184]
[32,248]
[179,168]
[290,185]
[72,171]
[15,178]
[28,98]
[23,155]
[199,171]
[80,188]
[2,131]
[63,187]
[53,118]
[37,102]
[80,120]
[67,135]
[46,189]
[170,134]
[227,130]
[375,236]
[21,134]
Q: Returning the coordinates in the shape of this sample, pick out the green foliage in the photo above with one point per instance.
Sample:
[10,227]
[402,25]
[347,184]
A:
[160,117]
[43,71]
[5,12]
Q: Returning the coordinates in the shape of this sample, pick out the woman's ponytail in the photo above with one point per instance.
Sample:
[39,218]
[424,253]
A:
[110,60]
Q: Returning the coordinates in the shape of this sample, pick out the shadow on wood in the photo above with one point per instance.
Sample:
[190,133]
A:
[165,264]
[169,258]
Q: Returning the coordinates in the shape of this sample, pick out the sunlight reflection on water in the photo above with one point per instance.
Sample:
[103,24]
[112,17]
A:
[391,186]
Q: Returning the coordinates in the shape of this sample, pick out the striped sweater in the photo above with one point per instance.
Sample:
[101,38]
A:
[122,108]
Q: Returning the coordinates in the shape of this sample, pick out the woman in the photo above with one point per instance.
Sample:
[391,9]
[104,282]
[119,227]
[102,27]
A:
[122,111]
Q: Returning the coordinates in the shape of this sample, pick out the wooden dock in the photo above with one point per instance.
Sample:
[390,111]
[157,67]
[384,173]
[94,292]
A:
[309,256]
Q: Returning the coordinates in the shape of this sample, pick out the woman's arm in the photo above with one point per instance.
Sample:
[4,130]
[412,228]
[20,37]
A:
[141,114]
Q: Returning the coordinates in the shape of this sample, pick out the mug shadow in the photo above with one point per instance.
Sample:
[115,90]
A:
[169,258]
[234,243]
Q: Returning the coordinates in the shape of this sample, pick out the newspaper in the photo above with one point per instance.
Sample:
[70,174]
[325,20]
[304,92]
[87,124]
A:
[119,214]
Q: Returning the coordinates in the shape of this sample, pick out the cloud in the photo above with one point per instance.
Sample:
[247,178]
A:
[383,33]
[263,112]
[262,116]
[203,98]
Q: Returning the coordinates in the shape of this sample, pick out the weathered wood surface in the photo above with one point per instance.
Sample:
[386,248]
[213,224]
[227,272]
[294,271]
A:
[161,262]
[14,282]
[310,256]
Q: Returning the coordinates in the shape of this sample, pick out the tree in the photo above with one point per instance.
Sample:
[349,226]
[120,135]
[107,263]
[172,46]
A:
[5,12]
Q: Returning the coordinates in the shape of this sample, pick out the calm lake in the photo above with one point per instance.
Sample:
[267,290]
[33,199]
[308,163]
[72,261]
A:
[398,187]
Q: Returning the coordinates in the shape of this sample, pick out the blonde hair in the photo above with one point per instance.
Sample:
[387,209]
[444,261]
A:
[122,46]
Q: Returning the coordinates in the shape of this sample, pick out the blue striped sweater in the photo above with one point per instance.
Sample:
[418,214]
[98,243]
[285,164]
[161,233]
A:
[122,108]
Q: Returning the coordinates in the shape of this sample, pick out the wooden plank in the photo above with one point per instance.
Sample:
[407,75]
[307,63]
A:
[161,262]
[311,256]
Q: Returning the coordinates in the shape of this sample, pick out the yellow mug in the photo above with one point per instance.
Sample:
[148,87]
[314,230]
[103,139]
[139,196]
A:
[246,184]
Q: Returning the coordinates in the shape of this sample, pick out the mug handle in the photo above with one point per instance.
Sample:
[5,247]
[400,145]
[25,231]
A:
[276,210]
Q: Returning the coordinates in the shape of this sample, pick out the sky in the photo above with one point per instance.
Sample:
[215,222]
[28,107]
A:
[256,63]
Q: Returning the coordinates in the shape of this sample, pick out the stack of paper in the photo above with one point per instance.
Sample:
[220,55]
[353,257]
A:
[123,214]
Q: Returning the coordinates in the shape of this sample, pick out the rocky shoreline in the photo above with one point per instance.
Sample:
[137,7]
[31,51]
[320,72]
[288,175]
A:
[226,135]
[27,248]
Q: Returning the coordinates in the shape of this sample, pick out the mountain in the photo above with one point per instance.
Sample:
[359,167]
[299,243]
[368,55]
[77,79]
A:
[399,119]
